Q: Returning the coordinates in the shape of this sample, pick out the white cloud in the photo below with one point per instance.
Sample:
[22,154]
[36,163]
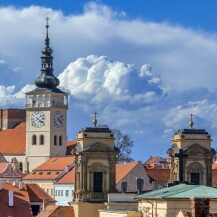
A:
[99,79]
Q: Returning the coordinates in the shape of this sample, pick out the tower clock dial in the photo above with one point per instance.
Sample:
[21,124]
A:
[58,119]
[38,119]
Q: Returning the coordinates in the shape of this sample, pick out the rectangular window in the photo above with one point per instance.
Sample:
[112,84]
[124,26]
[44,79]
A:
[195,178]
[61,192]
[51,191]
[67,193]
[58,192]
[97,181]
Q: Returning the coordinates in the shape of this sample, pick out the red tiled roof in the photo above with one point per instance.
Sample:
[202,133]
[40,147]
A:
[22,199]
[69,178]
[159,175]
[214,166]
[55,163]
[123,169]
[3,166]
[5,171]
[51,169]
[54,211]
[36,194]
[13,141]
[70,145]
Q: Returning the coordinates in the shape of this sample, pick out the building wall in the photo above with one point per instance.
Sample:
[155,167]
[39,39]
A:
[169,208]
[9,118]
[87,209]
[60,193]
[137,172]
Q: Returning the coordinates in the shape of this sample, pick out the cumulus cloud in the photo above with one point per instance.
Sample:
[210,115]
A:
[123,88]
[100,79]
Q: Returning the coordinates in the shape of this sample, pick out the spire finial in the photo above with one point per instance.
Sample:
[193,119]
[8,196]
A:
[47,41]
[191,123]
[95,120]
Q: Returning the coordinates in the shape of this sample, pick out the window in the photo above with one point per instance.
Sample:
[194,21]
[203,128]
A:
[56,193]
[55,140]
[21,166]
[60,140]
[41,140]
[67,193]
[34,140]
[195,178]
[51,193]
[61,192]
[97,181]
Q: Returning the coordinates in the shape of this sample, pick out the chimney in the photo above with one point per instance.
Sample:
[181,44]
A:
[21,185]
[200,206]
[11,198]
[45,203]
[0,185]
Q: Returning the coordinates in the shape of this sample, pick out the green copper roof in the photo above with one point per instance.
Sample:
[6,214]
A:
[45,90]
[181,191]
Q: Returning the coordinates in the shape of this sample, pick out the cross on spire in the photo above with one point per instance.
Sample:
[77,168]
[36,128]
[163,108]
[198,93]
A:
[95,120]
[181,157]
[191,123]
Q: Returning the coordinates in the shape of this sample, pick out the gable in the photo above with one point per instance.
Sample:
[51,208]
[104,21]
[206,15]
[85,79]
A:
[98,147]
[196,149]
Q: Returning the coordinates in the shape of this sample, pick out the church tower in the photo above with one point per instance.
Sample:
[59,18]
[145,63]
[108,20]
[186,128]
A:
[95,160]
[46,114]
[191,156]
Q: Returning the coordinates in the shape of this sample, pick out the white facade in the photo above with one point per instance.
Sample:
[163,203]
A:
[46,122]
[63,193]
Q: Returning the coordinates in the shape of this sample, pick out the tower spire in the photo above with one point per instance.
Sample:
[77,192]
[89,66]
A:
[47,78]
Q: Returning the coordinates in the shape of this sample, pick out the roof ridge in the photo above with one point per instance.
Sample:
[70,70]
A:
[181,191]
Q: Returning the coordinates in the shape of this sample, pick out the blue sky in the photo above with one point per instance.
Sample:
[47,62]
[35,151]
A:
[143,65]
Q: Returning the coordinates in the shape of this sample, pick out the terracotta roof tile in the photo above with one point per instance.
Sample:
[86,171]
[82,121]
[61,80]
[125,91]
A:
[55,163]
[36,194]
[5,171]
[13,141]
[123,169]
[69,178]
[22,198]
[55,211]
[214,166]
[51,169]
[70,145]
[159,175]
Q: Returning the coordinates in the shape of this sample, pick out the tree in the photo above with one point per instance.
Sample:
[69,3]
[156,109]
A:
[125,145]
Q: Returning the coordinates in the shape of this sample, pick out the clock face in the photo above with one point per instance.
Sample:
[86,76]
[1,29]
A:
[38,119]
[58,119]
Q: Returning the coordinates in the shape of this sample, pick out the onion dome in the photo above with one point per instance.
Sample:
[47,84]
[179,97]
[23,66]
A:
[47,78]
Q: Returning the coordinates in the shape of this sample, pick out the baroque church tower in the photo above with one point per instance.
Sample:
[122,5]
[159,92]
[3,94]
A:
[46,114]
[191,156]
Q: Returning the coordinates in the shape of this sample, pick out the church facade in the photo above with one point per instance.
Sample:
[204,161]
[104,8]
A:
[191,156]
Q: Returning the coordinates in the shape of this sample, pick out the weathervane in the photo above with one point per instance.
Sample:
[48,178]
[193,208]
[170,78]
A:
[95,120]
[191,123]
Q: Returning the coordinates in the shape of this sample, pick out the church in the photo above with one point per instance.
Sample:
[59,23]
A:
[30,137]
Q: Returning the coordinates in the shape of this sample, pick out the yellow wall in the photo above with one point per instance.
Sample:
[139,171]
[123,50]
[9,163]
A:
[87,209]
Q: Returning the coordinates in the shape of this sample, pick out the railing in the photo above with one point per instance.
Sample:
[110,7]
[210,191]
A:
[46,105]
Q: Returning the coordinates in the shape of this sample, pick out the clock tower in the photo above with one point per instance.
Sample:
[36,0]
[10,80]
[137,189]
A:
[46,114]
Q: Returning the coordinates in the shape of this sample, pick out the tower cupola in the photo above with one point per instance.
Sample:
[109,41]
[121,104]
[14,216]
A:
[47,78]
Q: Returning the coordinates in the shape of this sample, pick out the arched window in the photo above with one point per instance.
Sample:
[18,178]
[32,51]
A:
[60,140]
[55,140]
[21,166]
[41,140]
[34,140]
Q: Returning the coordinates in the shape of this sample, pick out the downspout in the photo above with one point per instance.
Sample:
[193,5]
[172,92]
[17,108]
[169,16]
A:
[152,205]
